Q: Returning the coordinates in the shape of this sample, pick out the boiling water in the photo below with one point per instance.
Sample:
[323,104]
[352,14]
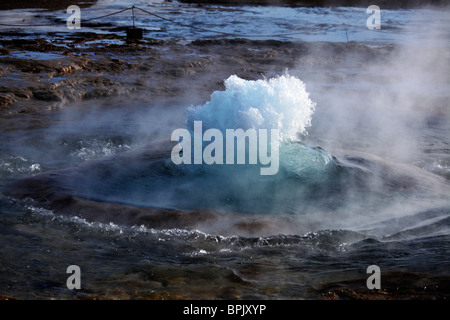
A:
[355,187]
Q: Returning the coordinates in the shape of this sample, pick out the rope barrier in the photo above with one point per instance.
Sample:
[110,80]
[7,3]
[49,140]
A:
[221,32]
[169,20]
[108,15]
[182,24]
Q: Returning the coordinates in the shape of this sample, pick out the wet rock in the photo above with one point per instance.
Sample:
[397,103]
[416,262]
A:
[5,99]
[10,95]
[4,297]
[29,66]
[28,109]
[4,51]
[22,93]
[100,93]
[47,95]
[395,285]
[66,70]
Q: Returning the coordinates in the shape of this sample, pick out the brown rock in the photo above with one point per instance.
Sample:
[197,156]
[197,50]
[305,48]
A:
[5,99]
[47,95]
[3,297]
[395,285]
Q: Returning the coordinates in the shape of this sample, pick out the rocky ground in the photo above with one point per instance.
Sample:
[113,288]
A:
[44,74]
[397,285]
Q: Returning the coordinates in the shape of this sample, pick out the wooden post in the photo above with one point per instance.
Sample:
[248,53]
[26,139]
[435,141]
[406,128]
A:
[134,33]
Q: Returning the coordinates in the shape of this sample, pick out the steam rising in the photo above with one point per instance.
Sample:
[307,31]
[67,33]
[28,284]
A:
[384,103]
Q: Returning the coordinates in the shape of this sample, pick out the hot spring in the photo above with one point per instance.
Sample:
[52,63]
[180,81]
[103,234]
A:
[220,176]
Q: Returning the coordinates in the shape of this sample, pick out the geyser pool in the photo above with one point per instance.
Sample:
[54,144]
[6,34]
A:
[309,180]
[235,154]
